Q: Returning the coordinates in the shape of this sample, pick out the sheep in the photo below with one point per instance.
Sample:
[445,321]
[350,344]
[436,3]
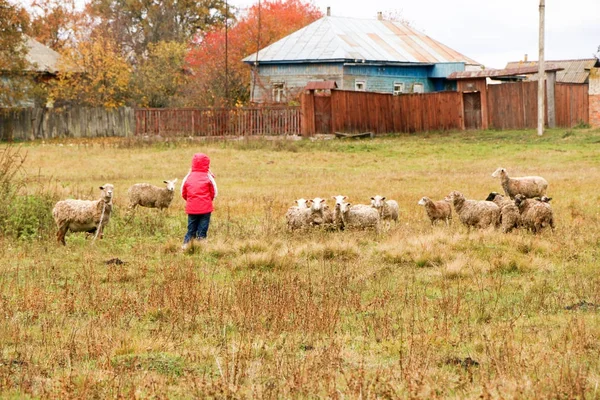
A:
[320,213]
[147,195]
[298,216]
[83,215]
[388,209]
[528,186]
[510,217]
[535,214]
[359,216]
[480,214]
[437,210]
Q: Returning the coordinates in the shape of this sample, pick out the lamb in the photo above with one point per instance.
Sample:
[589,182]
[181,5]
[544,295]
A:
[528,186]
[437,210]
[298,216]
[388,209]
[510,217]
[83,215]
[535,214]
[480,214]
[147,195]
[359,216]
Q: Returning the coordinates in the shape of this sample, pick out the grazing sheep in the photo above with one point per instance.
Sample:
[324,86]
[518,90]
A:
[510,216]
[83,215]
[147,195]
[359,216]
[298,216]
[437,210]
[535,214]
[388,209]
[480,214]
[528,186]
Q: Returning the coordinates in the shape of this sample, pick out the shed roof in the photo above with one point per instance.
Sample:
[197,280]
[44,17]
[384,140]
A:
[354,39]
[498,73]
[321,85]
[42,58]
[574,71]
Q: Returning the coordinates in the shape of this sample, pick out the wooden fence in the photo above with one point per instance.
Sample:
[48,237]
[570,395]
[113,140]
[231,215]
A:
[514,105]
[383,113]
[79,122]
[218,122]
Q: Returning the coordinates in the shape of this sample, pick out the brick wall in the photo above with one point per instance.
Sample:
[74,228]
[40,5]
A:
[594,99]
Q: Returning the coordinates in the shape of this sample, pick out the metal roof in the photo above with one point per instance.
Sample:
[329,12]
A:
[498,73]
[355,39]
[574,71]
[42,58]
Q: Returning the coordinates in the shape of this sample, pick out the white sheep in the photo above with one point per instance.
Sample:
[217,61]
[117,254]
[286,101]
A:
[437,210]
[83,215]
[510,216]
[388,209]
[535,214]
[480,214]
[298,216]
[147,195]
[360,216]
[321,215]
[528,186]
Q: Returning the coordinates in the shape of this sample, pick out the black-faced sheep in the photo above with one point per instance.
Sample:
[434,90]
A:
[83,215]
[535,214]
[437,210]
[147,195]
[528,186]
[510,217]
[388,209]
[480,214]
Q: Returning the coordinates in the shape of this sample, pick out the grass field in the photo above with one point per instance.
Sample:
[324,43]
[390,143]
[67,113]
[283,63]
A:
[257,312]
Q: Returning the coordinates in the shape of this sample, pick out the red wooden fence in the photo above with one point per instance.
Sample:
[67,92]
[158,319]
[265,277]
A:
[383,113]
[218,121]
[514,105]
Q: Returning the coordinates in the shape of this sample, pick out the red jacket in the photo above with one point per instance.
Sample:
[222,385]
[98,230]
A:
[198,188]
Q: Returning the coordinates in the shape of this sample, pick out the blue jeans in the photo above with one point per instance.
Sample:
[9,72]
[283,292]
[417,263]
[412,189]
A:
[197,227]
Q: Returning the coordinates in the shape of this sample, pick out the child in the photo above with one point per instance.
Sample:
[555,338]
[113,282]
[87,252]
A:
[198,189]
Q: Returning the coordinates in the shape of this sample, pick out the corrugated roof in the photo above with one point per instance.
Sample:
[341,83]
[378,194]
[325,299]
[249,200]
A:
[498,73]
[42,58]
[350,39]
[574,71]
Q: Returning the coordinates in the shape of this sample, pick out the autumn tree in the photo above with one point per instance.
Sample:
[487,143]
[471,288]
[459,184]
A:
[13,54]
[55,23]
[134,24]
[160,77]
[93,74]
[276,19]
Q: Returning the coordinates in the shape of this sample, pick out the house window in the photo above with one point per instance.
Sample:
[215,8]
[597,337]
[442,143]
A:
[398,88]
[360,86]
[418,88]
[278,92]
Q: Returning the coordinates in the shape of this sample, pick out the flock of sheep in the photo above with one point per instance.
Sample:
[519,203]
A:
[525,204]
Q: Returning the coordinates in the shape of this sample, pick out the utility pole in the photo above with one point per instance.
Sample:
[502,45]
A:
[541,71]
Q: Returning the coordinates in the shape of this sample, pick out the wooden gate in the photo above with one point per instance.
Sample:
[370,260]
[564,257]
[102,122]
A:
[472,109]
[322,114]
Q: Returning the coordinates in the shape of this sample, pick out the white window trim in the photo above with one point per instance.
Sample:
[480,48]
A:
[418,85]
[359,82]
[401,90]
[278,91]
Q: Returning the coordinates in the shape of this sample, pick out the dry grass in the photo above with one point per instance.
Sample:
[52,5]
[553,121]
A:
[255,311]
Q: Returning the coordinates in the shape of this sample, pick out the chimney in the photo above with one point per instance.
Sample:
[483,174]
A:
[380,15]
[329,11]
[525,59]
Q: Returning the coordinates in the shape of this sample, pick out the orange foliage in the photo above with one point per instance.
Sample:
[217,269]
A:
[206,60]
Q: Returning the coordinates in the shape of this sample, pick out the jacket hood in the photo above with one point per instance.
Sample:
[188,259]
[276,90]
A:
[200,163]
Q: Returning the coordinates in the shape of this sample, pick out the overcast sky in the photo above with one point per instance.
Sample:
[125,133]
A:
[490,32]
